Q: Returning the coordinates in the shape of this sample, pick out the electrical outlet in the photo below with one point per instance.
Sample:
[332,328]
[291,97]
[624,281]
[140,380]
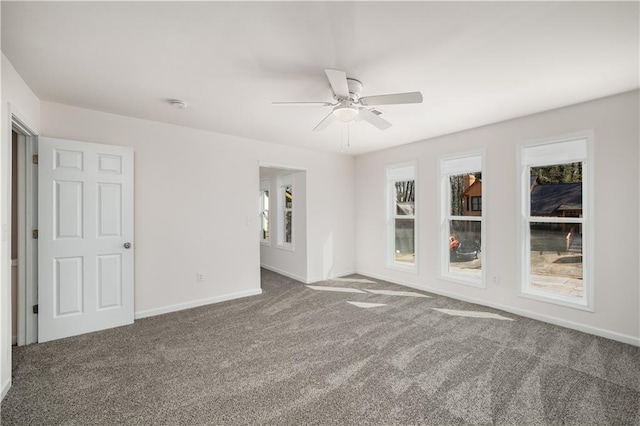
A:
[200,277]
[495,280]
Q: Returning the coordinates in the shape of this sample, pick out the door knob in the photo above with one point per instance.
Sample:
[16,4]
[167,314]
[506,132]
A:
[127,245]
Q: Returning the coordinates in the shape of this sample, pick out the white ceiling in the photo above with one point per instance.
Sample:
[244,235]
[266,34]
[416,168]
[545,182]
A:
[475,63]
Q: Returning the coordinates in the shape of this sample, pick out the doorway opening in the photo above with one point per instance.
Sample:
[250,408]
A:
[14,238]
[283,220]
[24,250]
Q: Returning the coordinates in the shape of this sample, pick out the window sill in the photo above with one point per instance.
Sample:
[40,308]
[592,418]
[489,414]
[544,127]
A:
[566,301]
[285,247]
[265,243]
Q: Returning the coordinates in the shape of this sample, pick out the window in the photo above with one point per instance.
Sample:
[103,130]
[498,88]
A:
[461,218]
[555,214]
[476,204]
[285,200]
[288,214]
[401,186]
[264,211]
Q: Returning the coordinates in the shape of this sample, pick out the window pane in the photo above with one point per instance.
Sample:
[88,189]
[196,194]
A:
[405,240]
[464,248]
[265,225]
[288,217]
[264,215]
[466,188]
[556,258]
[556,190]
[288,196]
[405,198]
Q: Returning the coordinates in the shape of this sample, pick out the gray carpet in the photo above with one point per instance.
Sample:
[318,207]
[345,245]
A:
[299,356]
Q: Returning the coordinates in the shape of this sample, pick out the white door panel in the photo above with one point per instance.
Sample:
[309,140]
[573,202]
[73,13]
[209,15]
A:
[85,217]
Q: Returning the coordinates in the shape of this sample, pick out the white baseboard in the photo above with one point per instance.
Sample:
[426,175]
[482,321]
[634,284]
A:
[624,338]
[5,388]
[306,280]
[285,273]
[196,303]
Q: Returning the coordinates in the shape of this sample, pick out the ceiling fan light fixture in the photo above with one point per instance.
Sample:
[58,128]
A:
[345,112]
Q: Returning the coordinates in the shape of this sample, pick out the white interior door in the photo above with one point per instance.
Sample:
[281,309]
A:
[85,237]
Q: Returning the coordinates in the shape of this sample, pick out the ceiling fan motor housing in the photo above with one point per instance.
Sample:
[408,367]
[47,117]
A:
[355,89]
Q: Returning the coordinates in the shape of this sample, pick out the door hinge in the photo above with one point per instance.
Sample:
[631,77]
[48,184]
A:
[34,159]
[35,309]
[34,234]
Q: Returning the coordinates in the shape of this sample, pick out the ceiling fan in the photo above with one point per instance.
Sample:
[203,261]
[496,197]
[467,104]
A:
[349,106]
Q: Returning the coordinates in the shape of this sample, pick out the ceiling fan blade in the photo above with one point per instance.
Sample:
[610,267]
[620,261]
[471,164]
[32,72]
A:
[374,119]
[301,103]
[338,80]
[395,98]
[330,118]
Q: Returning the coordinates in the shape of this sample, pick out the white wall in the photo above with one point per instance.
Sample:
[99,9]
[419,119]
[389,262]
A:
[19,100]
[617,290]
[194,191]
[331,228]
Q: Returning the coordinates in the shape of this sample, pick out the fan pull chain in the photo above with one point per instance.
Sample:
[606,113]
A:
[342,138]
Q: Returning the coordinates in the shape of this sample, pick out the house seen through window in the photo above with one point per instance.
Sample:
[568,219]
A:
[461,207]
[556,249]
[556,245]
[465,225]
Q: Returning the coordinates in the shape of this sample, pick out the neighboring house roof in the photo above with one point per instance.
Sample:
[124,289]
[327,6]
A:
[474,189]
[533,182]
[557,197]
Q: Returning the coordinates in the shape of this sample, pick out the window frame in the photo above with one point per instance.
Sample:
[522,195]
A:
[401,172]
[265,186]
[473,159]
[586,302]
[283,182]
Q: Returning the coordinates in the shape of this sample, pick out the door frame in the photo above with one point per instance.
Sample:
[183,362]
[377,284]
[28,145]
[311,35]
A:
[27,221]
[300,230]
